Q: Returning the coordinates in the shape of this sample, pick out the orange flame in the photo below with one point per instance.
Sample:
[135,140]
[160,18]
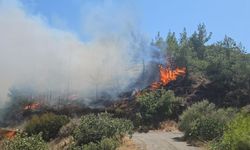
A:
[167,75]
[32,106]
[9,134]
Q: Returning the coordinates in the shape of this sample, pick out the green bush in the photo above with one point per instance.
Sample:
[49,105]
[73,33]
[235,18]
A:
[205,129]
[196,111]
[204,122]
[69,128]
[24,142]
[93,128]
[236,136]
[104,144]
[48,124]
[158,104]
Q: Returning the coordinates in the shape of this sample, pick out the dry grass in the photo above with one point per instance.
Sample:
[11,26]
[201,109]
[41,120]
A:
[168,126]
[128,144]
[60,143]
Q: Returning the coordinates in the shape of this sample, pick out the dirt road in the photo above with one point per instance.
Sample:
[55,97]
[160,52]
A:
[160,140]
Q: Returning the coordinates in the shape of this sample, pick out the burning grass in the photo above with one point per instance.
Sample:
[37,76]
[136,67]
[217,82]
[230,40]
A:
[7,133]
[32,106]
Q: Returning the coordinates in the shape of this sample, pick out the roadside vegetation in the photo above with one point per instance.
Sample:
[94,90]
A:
[100,131]
[156,106]
[236,135]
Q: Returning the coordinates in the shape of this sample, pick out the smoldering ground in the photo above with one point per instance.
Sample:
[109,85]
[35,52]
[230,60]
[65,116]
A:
[40,57]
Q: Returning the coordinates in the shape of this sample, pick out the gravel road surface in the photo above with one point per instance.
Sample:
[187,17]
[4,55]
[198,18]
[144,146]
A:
[160,140]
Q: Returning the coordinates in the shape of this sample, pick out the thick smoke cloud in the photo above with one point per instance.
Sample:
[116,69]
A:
[35,55]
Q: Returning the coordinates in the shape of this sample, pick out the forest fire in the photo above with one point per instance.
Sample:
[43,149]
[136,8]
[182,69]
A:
[32,106]
[9,134]
[167,75]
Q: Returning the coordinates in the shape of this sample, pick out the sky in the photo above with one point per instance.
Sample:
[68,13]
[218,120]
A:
[221,17]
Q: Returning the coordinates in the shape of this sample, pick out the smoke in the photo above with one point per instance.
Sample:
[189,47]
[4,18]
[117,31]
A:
[45,59]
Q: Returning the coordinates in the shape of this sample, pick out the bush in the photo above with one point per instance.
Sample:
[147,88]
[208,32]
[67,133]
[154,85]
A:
[93,128]
[69,128]
[157,105]
[237,135]
[104,144]
[204,122]
[23,142]
[246,109]
[197,110]
[49,124]
[205,129]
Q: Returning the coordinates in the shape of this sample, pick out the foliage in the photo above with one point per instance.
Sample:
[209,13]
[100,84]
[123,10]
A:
[204,122]
[157,105]
[104,144]
[93,128]
[69,128]
[197,110]
[246,109]
[224,64]
[237,135]
[49,124]
[205,129]
[24,142]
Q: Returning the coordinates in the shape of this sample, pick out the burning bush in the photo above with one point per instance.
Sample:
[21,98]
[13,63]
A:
[94,128]
[24,142]
[157,105]
[49,124]
[167,75]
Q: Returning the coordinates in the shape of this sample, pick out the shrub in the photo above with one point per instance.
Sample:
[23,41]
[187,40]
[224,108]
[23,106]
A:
[24,142]
[158,104]
[205,129]
[204,122]
[246,109]
[49,124]
[108,144]
[69,128]
[197,110]
[237,135]
[104,144]
[93,128]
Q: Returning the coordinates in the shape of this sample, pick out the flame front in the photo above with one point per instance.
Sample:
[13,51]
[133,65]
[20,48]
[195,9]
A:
[9,134]
[32,106]
[167,75]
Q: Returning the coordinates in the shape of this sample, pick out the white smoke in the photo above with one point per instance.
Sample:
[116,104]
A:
[48,59]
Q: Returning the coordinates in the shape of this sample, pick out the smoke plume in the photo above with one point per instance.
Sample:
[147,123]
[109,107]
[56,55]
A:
[46,59]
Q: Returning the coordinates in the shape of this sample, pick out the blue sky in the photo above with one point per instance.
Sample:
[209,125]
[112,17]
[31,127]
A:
[222,17]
